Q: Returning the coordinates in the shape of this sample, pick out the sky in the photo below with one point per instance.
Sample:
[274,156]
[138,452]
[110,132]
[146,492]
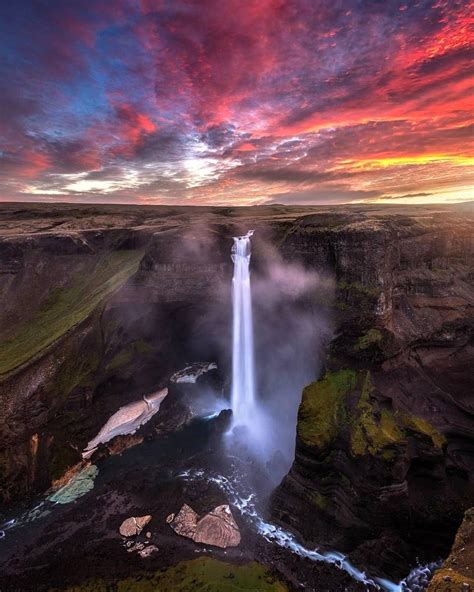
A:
[236,102]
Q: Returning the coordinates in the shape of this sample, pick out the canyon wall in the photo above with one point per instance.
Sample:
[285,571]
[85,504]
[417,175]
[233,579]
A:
[91,320]
[385,449]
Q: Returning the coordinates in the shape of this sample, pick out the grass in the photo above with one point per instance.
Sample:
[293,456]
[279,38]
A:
[372,337]
[422,426]
[204,574]
[322,408]
[128,354]
[67,307]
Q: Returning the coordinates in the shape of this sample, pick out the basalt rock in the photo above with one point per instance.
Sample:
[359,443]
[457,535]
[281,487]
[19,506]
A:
[366,472]
[457,572]
[134,525]
[217,528]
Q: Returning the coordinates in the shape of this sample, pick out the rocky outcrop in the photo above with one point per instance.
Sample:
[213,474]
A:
[367,478]
[384,452]
[457,572]
[217,528]
[134,525]
[106,323]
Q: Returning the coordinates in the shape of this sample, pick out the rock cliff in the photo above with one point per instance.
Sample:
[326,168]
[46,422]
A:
[384,455]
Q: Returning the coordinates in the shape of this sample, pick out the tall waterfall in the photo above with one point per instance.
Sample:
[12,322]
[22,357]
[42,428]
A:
[243,371]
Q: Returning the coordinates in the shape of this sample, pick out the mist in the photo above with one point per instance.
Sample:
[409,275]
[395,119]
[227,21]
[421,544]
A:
[291,327]
[291,307]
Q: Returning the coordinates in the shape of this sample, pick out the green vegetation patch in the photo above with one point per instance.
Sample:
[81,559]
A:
[370,433]
[422,426]
[200,575]
[372,337]
[322,410]
[358,288]
[128,354]
[340,404]
[67,307]
[321,501]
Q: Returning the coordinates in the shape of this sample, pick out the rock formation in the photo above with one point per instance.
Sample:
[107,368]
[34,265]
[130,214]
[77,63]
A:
[384,450]
[134,525]
[457,572]
[217,528]
[184,522]
[127,420]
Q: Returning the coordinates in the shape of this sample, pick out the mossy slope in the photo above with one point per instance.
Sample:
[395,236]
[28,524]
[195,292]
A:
[67,307]
[340,405]
[200,575]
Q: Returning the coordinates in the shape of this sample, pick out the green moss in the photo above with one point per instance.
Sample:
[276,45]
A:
[322,408]
[424,427]
[67,307]
[76,371]
[200,575]
[128,354]
[320,501]
[372,337]
[373,433]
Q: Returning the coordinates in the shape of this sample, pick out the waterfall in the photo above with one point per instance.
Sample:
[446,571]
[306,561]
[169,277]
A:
[243,372]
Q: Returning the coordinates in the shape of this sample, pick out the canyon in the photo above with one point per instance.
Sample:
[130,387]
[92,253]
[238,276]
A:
[101,305]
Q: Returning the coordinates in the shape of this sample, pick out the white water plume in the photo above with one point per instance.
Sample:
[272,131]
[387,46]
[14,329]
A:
[243,368]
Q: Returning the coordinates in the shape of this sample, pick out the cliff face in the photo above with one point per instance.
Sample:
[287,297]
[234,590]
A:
[100,306]
[91,319]
[384,455]
[457,572]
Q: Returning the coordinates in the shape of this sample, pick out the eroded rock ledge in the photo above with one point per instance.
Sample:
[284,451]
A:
[368,477]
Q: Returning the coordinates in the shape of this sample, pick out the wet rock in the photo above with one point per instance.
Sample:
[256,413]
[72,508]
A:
[78,485]
[217,528]
[134,525]
[147,551]
[184,522]
[462,556]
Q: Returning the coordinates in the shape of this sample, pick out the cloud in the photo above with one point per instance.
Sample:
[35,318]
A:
[203,102]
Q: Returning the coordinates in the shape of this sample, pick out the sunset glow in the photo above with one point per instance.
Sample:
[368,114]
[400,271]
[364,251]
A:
[212,102]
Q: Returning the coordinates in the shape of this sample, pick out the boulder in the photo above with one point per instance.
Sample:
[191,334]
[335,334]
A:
[134,525]
[185,521]
[217,528]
